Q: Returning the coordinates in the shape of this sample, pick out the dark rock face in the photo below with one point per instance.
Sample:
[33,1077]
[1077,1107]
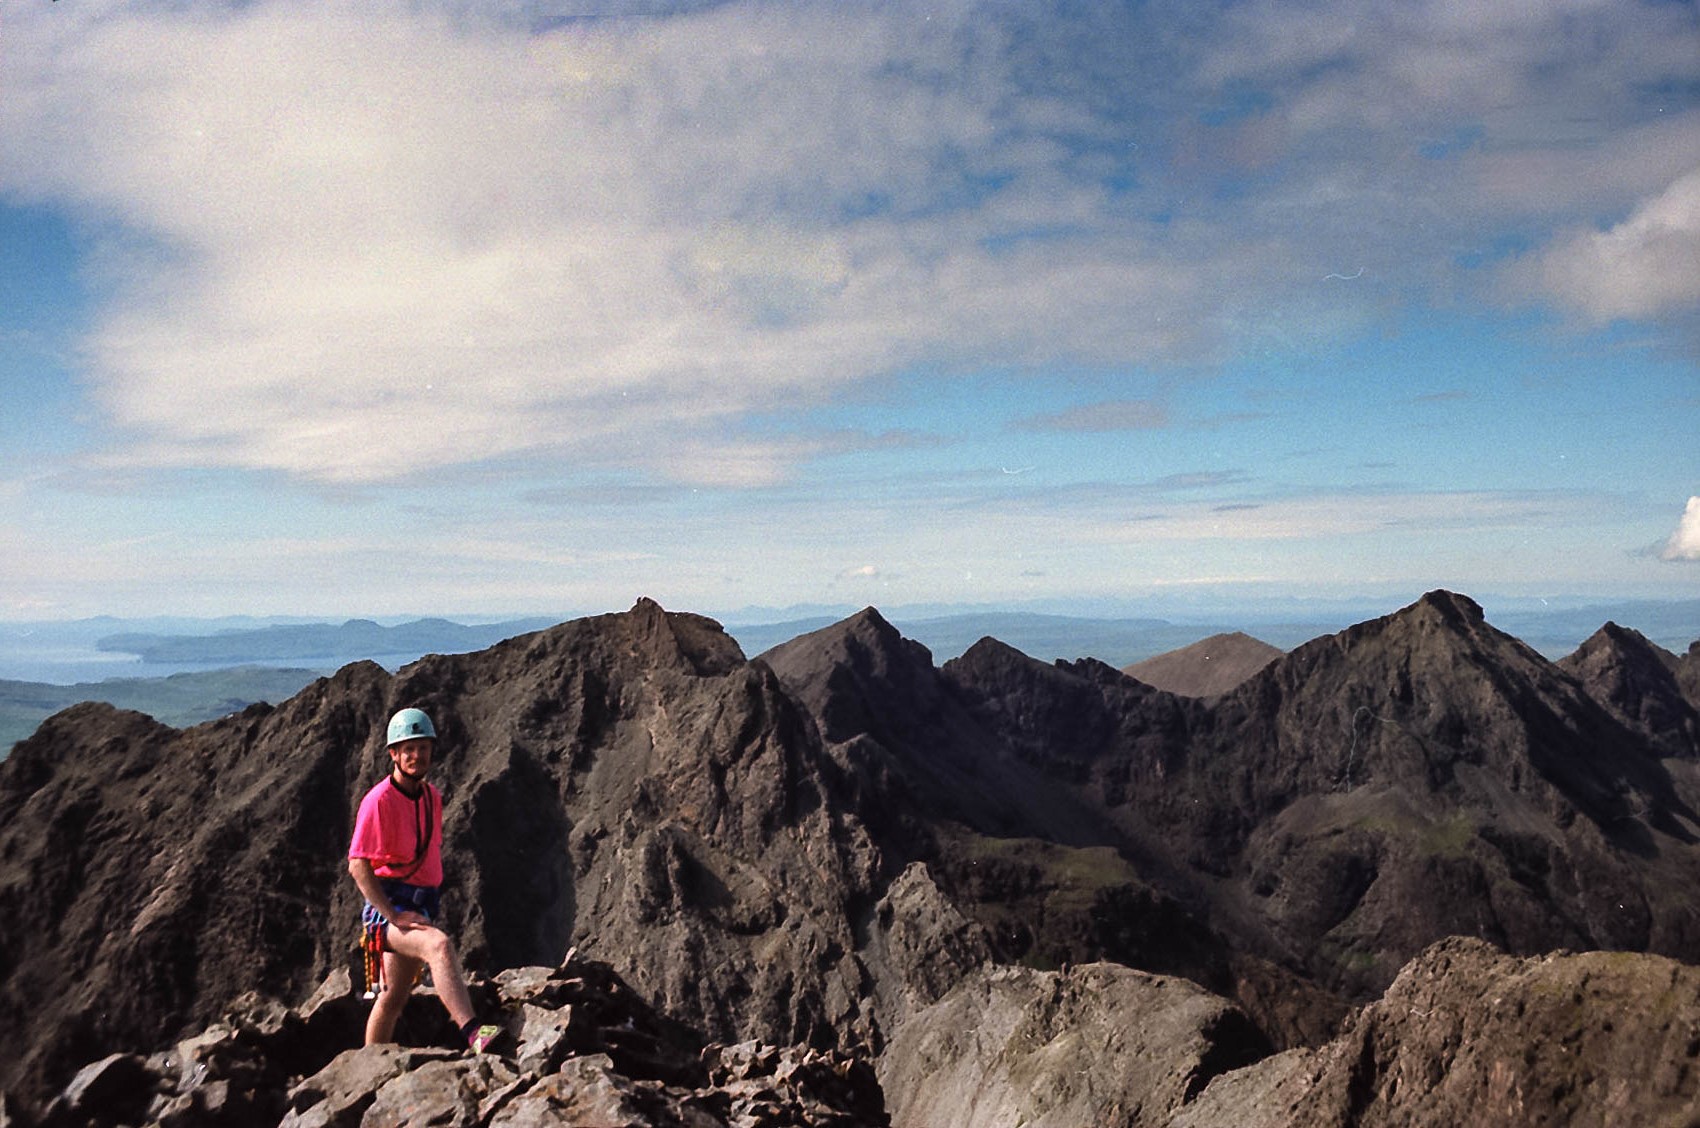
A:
[1641,685]
[630,785]
[813,849]
[1372,792]
[148,877]
[1688,674]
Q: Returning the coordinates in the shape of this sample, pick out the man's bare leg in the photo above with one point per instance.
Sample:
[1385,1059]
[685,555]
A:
[432,947]
[399,972]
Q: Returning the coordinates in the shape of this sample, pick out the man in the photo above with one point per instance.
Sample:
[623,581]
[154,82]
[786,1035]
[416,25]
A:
[396,859]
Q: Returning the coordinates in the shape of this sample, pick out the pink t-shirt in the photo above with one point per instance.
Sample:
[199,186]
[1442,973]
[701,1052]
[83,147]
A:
[387,832]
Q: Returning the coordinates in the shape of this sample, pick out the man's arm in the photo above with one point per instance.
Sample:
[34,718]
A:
[360,869]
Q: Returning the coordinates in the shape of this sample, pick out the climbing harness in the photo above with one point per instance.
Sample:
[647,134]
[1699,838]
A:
[405,898]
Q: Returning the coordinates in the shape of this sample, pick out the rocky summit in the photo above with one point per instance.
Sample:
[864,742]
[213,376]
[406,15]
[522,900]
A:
[578,1047]
[1398,875]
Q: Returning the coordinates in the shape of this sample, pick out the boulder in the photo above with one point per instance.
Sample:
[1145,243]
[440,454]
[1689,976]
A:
[1099,1044]
[1469,1035]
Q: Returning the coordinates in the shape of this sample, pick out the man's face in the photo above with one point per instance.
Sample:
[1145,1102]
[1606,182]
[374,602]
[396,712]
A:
[413,757]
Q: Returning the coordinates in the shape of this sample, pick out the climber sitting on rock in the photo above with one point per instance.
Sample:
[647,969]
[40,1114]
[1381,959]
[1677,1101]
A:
[396,859]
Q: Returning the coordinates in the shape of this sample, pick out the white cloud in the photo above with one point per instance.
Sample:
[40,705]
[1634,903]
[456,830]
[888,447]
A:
[1684,544]
[371,242]
[1304,516]
[362,242]
[1643,267]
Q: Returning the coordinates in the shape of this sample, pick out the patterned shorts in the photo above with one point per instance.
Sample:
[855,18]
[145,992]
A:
[426,900]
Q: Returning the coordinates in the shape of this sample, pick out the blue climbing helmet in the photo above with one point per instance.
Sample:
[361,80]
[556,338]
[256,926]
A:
[410,724]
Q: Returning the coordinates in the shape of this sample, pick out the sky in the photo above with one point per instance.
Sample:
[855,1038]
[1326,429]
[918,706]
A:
[478,309]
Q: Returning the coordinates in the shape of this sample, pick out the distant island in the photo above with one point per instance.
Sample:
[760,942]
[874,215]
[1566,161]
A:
[179,700]
[349,641]
[1554,631]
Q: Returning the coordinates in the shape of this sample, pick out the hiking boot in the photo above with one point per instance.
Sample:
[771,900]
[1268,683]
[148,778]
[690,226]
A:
[481,1038]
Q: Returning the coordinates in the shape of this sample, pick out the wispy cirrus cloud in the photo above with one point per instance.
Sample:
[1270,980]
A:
[1117,415]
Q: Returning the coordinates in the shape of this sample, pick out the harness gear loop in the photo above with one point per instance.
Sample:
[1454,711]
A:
[372,948]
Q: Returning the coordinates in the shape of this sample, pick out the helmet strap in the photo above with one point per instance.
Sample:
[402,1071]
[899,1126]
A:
[399,773]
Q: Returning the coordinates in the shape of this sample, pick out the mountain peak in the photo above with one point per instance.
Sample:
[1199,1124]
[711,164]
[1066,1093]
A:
[839,670]
[1207,668]
[1451,605]
[1640,684]
[675,636]
[1435,633]
[869,623]
[1624,640]
[1435,626]
[866,640]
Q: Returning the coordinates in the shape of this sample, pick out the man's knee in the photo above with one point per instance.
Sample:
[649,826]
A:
[434,944]
[442,948]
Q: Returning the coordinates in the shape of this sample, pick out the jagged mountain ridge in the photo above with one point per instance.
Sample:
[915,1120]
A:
[1422,773]
[798,848]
